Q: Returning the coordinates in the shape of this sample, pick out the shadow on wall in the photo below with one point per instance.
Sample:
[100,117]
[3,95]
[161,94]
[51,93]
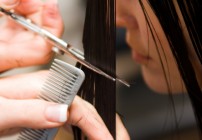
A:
[146,114]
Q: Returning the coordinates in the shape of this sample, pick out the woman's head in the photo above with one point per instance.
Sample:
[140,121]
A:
[152,46]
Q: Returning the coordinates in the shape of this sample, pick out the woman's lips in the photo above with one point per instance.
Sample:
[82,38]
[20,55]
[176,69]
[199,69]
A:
[139,58]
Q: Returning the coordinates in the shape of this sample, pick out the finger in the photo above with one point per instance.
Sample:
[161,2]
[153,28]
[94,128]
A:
[121,132]
[26,86]
[9,4]
[30,52]
[44,14]
[51,18]
[87,120]
[29,7]
[31,114]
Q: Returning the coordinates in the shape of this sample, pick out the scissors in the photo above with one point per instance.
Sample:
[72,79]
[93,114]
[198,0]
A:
[61,46]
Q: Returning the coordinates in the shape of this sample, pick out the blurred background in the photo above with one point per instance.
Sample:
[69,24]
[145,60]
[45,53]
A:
[146,114]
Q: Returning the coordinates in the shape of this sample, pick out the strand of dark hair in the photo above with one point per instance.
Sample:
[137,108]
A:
[166,13]
[164,68]
[191,10]
[99,50]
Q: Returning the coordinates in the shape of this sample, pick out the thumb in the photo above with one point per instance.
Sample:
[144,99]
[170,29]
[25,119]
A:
[9,4]
[31,114]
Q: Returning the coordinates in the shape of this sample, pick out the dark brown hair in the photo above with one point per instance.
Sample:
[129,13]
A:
[192,14]
[99,50]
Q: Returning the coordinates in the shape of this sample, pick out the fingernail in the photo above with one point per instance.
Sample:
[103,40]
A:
[56,113]
[9,2]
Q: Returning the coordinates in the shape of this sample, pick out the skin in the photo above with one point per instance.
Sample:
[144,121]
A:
[144,51]
[18,48]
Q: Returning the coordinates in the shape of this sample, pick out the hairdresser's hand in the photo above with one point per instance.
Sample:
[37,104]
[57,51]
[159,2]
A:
[19,47]
[20,108]
[91,123]
[83,115]
[121,132]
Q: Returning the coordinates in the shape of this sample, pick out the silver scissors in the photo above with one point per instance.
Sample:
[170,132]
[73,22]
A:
[61,45]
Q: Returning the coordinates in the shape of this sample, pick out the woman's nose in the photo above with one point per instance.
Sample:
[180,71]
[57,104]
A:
[120,22]
[122,11]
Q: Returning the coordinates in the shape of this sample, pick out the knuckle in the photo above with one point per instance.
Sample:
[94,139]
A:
[78,119]
[51,10]
[90,106]
[19,62]
[81,121]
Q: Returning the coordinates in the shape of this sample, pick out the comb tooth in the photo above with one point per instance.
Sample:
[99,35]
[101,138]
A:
[64,70]
[50,86]
[38,131]
[41,96]
[23,135]
[65,86]
[61,86]
[47,98]
[63,77]
[44,98]
[54,90]
[59,82]
[69,76]
[32,134]
[59,89]
[21,138]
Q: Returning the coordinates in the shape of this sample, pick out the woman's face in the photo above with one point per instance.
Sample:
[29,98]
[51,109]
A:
[144,50]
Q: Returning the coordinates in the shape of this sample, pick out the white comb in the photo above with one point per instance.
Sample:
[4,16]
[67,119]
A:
[61,86]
